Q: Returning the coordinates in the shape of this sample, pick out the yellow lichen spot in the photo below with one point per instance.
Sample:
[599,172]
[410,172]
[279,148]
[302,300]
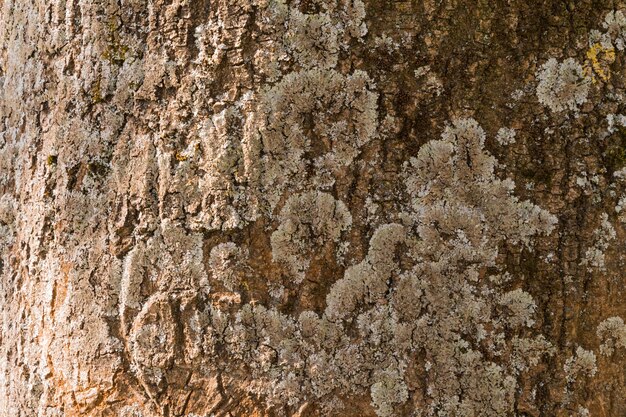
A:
[185,155]
[180,157]
[598,60]
[51,160]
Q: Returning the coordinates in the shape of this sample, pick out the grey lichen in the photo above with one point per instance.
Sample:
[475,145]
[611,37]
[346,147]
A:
[301,126]
[615,121]
[595,257]
[155,276]
[219,200]
[620,209]
[388,391]
[612,333]
[383,311]
[615,26]
[227,263]
[581,364]
[368,280]
[460,211]
[152,342]
[527,352]
[311,125]
[521,307]
[308,222]
[8,209]
[393,308]
[312,38]
[506,136]
[562,86]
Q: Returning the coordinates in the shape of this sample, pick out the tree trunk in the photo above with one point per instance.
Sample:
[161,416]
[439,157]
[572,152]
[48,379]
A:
[312,208]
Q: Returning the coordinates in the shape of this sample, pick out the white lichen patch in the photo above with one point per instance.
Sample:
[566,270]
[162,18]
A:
[388,391]
[527,352]
[562,86]
[460,210]
[218,200]
[588,182]
[387,44]
[521,307]
[620,209]
[227,263]
[308,222]
[506,136]
[313,39]
[152,341]
[380,312]
[594,257]
[368,280]
[172,260]
[300,127]
[458,201]
[615,26]
[612,333]
[615,121]
[8,210]
[311,125]
[583,412]
[308,33]
[581,364]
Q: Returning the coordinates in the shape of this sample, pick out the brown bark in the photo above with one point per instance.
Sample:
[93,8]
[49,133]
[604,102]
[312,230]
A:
[272,207]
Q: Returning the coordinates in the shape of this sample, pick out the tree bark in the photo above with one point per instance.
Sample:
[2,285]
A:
[312,208]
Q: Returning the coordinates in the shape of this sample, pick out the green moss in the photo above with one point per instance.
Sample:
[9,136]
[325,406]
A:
[96,94]
[51,160]
[116,52]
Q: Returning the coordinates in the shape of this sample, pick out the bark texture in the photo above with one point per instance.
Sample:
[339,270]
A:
[312,208]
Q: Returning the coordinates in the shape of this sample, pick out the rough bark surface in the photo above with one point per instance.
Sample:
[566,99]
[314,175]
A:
[312,208]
